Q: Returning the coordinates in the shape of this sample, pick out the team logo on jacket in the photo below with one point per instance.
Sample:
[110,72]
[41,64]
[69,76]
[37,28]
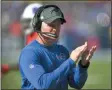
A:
[61,56]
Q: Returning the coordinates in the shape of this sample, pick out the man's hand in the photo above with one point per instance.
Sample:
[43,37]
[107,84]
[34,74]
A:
[87,55]
[75,54]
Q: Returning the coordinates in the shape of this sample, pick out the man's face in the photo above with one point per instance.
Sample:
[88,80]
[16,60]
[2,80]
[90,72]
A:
[53,28]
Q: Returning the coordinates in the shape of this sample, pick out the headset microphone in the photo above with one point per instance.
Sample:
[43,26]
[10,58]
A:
[48,34]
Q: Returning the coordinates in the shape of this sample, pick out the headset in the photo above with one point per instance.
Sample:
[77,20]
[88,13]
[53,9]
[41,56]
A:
[36,22]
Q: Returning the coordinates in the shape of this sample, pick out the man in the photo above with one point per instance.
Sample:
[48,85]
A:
[46,65]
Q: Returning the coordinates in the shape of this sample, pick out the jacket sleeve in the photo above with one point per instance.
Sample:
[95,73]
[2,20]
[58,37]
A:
[77,77]
[35,73]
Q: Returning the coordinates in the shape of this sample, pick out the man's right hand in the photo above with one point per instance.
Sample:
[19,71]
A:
[75,54]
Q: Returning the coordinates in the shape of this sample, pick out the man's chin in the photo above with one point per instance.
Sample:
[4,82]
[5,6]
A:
[50,40]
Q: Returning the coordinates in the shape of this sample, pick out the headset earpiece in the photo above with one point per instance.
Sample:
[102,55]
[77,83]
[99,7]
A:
[36,23]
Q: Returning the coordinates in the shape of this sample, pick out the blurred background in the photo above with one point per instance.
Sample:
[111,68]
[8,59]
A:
[86,21]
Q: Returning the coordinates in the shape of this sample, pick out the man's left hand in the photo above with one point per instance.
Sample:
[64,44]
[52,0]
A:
[87,55]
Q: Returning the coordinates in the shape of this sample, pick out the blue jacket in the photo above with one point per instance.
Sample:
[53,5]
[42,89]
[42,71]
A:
[49,67]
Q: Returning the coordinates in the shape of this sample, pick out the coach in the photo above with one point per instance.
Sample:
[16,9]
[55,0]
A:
[46,65]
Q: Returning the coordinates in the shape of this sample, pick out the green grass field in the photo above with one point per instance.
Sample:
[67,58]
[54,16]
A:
[99,77]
